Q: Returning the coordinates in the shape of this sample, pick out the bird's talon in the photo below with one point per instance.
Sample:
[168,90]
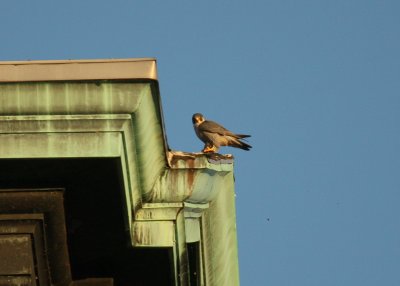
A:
[209,150]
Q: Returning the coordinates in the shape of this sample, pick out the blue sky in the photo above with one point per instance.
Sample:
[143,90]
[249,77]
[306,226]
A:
[317,84]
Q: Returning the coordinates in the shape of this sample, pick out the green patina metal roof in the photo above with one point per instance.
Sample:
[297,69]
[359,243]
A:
[111,108]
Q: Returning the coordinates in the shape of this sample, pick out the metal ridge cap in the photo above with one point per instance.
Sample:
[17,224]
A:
[78,70]
[71,61]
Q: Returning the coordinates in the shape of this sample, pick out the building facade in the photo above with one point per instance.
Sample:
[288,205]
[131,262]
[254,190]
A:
[90,192]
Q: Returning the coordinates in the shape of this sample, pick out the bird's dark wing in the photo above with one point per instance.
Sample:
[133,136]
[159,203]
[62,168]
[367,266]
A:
[214,127]
[218,140]
[213,138]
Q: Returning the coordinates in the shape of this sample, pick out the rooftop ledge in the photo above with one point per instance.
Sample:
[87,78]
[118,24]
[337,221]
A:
[191,177]
[107,108]
[112,109]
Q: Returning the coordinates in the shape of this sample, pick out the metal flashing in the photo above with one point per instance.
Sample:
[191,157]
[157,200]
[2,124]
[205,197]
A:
[70,70]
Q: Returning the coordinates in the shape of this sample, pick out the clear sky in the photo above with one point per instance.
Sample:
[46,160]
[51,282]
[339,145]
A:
[317,84]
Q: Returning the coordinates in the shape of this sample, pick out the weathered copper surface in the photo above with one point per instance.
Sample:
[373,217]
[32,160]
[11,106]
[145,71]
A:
[111,109]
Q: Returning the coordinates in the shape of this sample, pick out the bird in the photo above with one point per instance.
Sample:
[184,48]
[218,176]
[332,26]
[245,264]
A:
[215,135]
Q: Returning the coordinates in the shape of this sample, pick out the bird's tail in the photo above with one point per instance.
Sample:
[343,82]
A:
[240,144]
[241,136]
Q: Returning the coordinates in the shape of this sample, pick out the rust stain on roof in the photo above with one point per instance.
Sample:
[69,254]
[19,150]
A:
[179,159]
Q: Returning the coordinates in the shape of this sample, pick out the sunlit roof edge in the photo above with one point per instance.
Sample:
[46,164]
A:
[88,69]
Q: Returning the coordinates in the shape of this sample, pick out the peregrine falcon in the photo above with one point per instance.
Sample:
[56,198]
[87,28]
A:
[214,135]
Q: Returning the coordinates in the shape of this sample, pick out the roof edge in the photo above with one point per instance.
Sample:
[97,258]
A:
[71,70]
[69,61]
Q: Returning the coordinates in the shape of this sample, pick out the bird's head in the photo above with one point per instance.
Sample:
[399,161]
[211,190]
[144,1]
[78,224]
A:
[197,118]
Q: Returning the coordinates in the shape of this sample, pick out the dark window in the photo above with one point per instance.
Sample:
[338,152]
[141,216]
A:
[194,263]
[97,232]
